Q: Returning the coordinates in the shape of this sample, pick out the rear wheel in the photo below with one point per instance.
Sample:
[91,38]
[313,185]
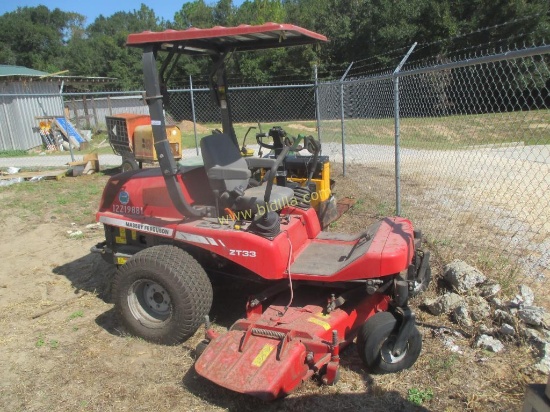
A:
[162,294]
[128,164]
[375,344]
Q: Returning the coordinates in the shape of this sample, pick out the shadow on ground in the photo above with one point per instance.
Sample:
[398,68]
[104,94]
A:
[89,273]
[372,399]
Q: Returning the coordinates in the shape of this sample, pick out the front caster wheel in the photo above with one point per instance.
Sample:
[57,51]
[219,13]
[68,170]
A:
[375,345]
[162,294]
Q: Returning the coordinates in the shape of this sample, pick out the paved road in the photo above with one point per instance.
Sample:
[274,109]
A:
[357,153]
[105,160]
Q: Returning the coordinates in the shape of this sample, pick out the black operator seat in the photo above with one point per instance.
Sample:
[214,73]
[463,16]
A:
[228,173]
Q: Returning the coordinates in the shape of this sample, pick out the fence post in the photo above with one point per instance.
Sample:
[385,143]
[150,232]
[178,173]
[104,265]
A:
[66,115]
[193,114]
[397,131]
[342,119]
[317,108]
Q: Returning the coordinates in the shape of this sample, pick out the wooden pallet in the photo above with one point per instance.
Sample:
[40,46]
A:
[46,175]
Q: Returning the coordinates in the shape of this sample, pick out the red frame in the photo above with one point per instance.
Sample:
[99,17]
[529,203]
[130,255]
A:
[243,37]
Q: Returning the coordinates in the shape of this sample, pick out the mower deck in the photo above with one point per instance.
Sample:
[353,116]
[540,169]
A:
[267,355]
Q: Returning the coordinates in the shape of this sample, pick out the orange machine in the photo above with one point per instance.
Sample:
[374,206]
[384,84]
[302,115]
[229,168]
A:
[131,137]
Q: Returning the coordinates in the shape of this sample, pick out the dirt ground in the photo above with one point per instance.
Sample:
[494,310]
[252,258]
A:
[62,348]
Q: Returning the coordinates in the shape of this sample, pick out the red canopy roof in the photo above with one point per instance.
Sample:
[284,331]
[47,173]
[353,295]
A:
[218,39]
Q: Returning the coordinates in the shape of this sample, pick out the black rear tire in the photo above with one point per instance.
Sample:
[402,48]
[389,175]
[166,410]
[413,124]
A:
[162,294]
[375,341]
[128,164]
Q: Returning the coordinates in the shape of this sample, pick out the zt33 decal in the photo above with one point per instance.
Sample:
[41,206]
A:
[243,253]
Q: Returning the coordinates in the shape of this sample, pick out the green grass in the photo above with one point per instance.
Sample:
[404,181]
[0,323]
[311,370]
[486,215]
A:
[446,132]
[13,153]
[68,200]
[435,133]
[419,396]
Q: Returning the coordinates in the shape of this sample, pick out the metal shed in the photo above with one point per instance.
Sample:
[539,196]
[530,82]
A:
[26,94]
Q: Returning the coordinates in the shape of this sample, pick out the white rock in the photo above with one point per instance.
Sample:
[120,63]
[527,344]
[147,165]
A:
[507,329]
[443,304]
[76,233]
[462,276]
[534,316]
[461,315]
[479,308]
[544,363]
[489,343]
[527,295]
[489,289]
[501,316]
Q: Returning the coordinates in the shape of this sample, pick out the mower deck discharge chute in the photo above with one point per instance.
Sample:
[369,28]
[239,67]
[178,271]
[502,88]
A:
[169,228]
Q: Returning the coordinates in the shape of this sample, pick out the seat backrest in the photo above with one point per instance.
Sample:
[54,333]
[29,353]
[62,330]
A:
[225,167]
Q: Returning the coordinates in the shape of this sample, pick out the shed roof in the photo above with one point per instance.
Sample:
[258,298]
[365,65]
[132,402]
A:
[15,73]
[7,70]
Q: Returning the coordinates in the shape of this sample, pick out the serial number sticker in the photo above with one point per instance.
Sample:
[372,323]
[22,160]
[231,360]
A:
[262,356]
[128,210]
[319,322]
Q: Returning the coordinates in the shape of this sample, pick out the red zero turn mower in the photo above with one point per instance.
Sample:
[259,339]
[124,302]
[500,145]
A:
[164,231]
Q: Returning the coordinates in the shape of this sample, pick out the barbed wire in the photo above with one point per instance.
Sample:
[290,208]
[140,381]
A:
[377,63]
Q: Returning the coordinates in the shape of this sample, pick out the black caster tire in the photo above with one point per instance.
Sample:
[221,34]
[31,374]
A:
[375,342]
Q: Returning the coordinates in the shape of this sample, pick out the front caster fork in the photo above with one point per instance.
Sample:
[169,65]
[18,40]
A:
[406,321]
[404,315]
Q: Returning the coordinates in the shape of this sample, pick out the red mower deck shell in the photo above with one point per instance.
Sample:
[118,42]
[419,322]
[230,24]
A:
[142,198]
[269,355]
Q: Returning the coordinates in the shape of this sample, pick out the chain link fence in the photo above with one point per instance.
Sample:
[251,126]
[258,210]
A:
[471,166]
[193,109]
[472,163]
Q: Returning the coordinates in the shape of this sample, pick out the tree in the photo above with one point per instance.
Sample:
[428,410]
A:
[101,49]
[35,37]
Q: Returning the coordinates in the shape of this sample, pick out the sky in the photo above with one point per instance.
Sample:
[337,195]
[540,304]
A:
[93,8]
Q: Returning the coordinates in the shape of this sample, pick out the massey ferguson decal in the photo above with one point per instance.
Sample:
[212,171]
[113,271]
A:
[142,227]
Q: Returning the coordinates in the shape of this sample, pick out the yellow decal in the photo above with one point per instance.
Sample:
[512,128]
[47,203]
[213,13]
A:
[262,356]
[134,234]
[121,260]
[322,315]
[121,238]
[319,322]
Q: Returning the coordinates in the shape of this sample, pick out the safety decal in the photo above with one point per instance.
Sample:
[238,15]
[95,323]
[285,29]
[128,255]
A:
[262,356]
[319,322]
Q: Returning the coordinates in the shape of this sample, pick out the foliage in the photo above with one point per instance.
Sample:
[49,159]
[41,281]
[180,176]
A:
[419,396]
[54,40]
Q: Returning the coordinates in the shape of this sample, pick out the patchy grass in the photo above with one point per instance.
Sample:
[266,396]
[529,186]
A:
[13,153]
[446,132]
[69,199]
